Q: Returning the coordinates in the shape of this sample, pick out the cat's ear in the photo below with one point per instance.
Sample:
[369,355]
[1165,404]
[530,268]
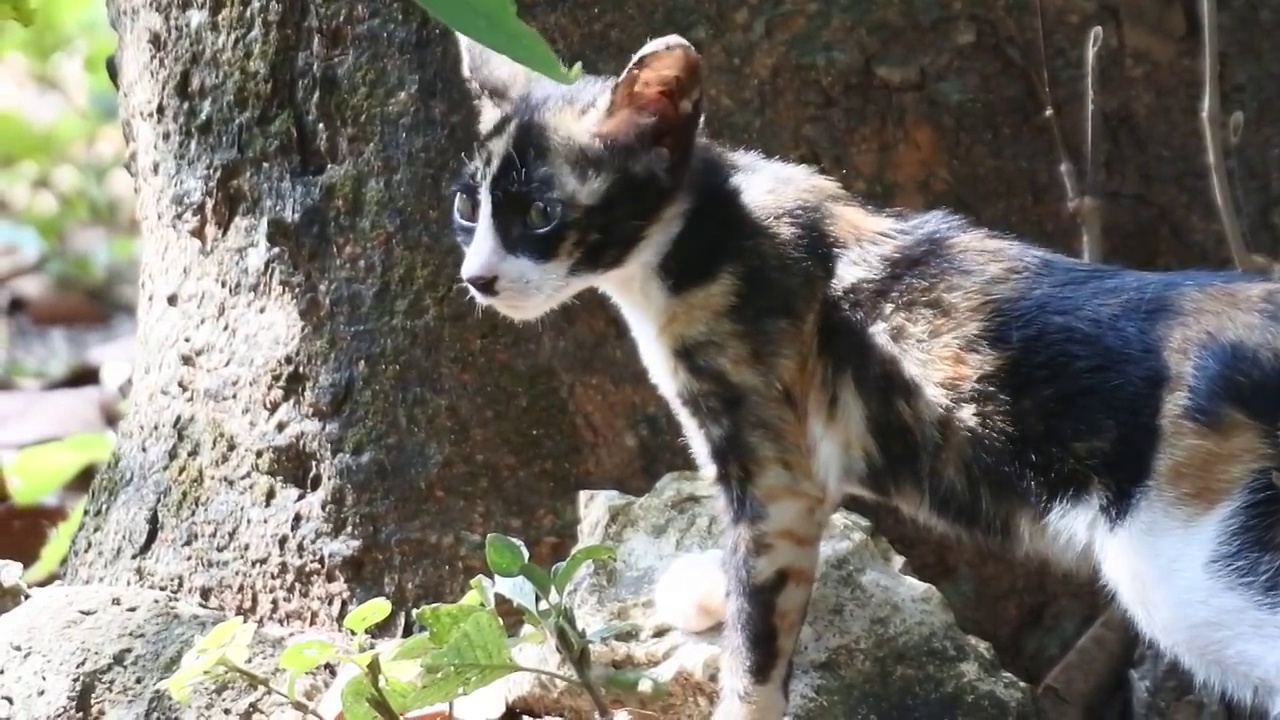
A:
[494,79]
[657,100]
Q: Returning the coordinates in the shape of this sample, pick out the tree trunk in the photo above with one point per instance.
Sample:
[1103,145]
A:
[319,416]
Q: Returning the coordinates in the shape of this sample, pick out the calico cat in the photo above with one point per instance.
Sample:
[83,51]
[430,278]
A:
[813,347]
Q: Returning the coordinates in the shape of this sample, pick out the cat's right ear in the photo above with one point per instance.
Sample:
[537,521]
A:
[494,79]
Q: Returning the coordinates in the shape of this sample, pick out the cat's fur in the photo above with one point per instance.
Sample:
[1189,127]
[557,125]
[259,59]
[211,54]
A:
[813,347]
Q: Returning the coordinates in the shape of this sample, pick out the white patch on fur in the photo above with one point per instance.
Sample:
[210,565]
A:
[692,593]
[638,293]
[1157,564]
[840,442]
[526,289]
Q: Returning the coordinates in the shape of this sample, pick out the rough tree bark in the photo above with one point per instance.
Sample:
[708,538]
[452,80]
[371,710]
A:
[318,415]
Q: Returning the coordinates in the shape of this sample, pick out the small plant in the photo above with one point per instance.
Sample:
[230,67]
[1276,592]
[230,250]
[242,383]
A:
[462,647]
[38,472]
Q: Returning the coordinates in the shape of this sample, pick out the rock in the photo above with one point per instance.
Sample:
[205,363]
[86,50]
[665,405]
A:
[98,651]
[13,591]
[1161,690]
[878,643]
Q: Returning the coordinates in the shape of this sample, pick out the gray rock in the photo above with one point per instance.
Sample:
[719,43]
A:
[98,651]
[878,643]
[13,591]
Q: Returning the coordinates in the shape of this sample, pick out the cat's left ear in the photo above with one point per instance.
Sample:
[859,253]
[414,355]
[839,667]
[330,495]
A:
[657,101]
[495,80]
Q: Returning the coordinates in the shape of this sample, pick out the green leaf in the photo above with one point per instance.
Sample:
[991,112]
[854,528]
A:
[367,614]
[220,635]
[442,621]
[20,11]
[357,697]
[518,590]
[305,656]
[201,662]
[495,24]
[563,572]
[477,655]
[538,577]
[185,679]
[56,547]
[37,471]
[482,585]
[505,555]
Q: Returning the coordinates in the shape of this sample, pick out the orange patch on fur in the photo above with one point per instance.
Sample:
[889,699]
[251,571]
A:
[1201,469]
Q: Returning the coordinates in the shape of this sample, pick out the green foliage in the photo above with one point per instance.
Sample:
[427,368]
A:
[462,646]
[367,614]
[496,25]
[56,547]
[19,11]
[224,648]
[38,471]
[59,150]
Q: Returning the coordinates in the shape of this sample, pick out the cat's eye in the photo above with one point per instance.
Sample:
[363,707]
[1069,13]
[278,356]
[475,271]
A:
[465,208]
[542,215]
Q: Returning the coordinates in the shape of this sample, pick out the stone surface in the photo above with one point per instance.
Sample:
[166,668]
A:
[13,591]
[879,643]
[98,651]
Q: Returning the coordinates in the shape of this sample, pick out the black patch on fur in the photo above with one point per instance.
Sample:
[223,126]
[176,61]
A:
[1072,406]
[760,629]
[1228,374]
[716,232]
[614,226]
[1084,374]
[1248,551]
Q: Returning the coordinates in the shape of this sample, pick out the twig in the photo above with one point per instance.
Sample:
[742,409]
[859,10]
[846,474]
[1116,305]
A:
[1211,122]
[1089,671]
[579,656]
[261,681]
[1087,209]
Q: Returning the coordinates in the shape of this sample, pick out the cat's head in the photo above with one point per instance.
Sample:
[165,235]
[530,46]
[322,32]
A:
[567,180]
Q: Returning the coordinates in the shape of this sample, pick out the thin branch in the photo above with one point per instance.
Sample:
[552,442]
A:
[1087,209]
[261,681]
[1090,670]
[1211,122]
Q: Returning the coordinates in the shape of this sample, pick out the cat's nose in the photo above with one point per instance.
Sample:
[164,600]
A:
[486,285]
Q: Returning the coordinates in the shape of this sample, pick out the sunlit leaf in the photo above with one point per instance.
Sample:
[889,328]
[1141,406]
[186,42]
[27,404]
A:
[357,695]
[56,546]
[563,572]
[495,24]
[477,655]
[37,471]
[367,614]
[307,655]
[440,623]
